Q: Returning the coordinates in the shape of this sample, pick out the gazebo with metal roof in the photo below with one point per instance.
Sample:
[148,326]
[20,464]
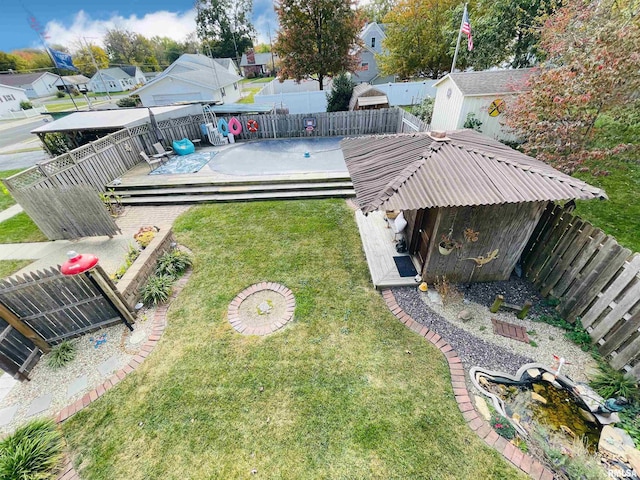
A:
[479,195]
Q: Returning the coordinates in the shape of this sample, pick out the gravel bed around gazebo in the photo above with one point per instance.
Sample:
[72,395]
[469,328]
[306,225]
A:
[477,344]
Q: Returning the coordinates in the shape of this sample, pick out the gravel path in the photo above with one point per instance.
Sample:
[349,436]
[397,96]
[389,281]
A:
[474,340]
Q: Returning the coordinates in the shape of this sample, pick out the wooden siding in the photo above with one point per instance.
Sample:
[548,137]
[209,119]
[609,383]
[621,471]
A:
[595,279]
[505,227]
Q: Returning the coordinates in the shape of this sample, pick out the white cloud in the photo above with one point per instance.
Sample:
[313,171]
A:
[175,25]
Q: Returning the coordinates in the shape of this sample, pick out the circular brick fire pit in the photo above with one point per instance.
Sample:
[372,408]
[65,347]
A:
[261,309]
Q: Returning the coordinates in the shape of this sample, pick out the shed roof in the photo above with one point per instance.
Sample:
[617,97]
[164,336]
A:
[364,90]
[408,172]
[490,82]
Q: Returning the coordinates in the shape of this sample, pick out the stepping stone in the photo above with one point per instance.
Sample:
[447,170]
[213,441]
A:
[509,330]
[76,386]
[137,337]
[7,414]
[109,366]
[40,404]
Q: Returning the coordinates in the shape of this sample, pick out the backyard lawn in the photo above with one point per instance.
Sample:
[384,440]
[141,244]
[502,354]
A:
[9,267]
[345,391]
[20,229]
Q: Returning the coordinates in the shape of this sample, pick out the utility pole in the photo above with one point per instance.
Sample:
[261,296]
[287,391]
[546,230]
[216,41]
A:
[95,64]
[273,62]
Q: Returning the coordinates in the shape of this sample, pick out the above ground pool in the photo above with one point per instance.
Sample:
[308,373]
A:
[281,156]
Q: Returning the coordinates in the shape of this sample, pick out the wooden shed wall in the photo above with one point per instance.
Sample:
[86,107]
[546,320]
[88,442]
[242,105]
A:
[505,227]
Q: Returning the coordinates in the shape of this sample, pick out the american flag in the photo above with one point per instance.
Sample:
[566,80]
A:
[466,28]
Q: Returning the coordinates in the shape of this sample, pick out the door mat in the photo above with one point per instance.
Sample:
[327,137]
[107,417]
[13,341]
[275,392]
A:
[405,266]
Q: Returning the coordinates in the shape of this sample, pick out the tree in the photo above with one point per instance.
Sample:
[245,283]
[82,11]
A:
[317,38]
[83,61]
[128,48]
[505,33]
[376,10]
[417,39]
[224,26]
[11,62]
[591,69]
[340,95]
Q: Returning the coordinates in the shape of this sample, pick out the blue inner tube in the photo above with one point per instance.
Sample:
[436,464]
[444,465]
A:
[223,127]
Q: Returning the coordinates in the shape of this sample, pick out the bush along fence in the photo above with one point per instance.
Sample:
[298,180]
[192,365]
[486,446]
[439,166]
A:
[596,281]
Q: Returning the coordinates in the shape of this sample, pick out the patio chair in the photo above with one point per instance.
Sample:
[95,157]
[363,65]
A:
[161,150]
[152,162]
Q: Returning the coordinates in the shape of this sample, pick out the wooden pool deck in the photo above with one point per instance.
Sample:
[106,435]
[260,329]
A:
[379,248]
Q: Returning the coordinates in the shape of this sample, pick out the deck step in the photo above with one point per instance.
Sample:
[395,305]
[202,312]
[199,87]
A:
[236,197]
[232,189]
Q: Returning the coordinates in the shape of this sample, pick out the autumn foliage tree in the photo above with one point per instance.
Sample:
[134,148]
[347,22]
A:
[317,38]
[593,60]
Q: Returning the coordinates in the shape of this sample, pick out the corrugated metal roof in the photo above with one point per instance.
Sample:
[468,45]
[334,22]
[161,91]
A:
[407,172]
[491,82]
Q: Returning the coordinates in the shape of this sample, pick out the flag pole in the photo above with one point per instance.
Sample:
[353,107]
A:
[455,55]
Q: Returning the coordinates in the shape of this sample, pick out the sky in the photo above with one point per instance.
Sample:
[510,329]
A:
[68,21]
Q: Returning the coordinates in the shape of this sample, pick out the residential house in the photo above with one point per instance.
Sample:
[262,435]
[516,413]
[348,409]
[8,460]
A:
[116,79]
[78,82]
[371,37]
[485,94]
[229,64]
[191,78]
[10,98]
[35,84]
[254,64]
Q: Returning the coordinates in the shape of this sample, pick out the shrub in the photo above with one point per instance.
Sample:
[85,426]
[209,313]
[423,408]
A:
[157,290]
[61,354]
[33,451]
[449,293]
[424,110]
[502,426]
[57,143]
[132,254]
[610,383]
[173,263]
[25,105]
[340,95]
[472,122]
[60,94]
[126,102]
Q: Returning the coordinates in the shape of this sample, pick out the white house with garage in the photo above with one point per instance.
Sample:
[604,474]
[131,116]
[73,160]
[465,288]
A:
[116,79]
[10,98]
[371,36]
[35,85]
[192,78]
[487,95]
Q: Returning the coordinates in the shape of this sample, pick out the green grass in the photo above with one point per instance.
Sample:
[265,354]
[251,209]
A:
[620,215]
[9,267]
[63,107]
[249,98]
[20,229]
[257,80]
[6,200]
[340,396]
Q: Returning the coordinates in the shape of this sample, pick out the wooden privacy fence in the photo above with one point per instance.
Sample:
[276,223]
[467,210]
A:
[43,308]
[595,279]
[333,124]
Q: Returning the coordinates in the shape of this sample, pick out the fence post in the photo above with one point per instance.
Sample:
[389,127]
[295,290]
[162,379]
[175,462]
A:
[23,328]
[101,280]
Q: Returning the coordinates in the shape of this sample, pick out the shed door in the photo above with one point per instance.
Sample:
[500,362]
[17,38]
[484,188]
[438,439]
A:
[424,233]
